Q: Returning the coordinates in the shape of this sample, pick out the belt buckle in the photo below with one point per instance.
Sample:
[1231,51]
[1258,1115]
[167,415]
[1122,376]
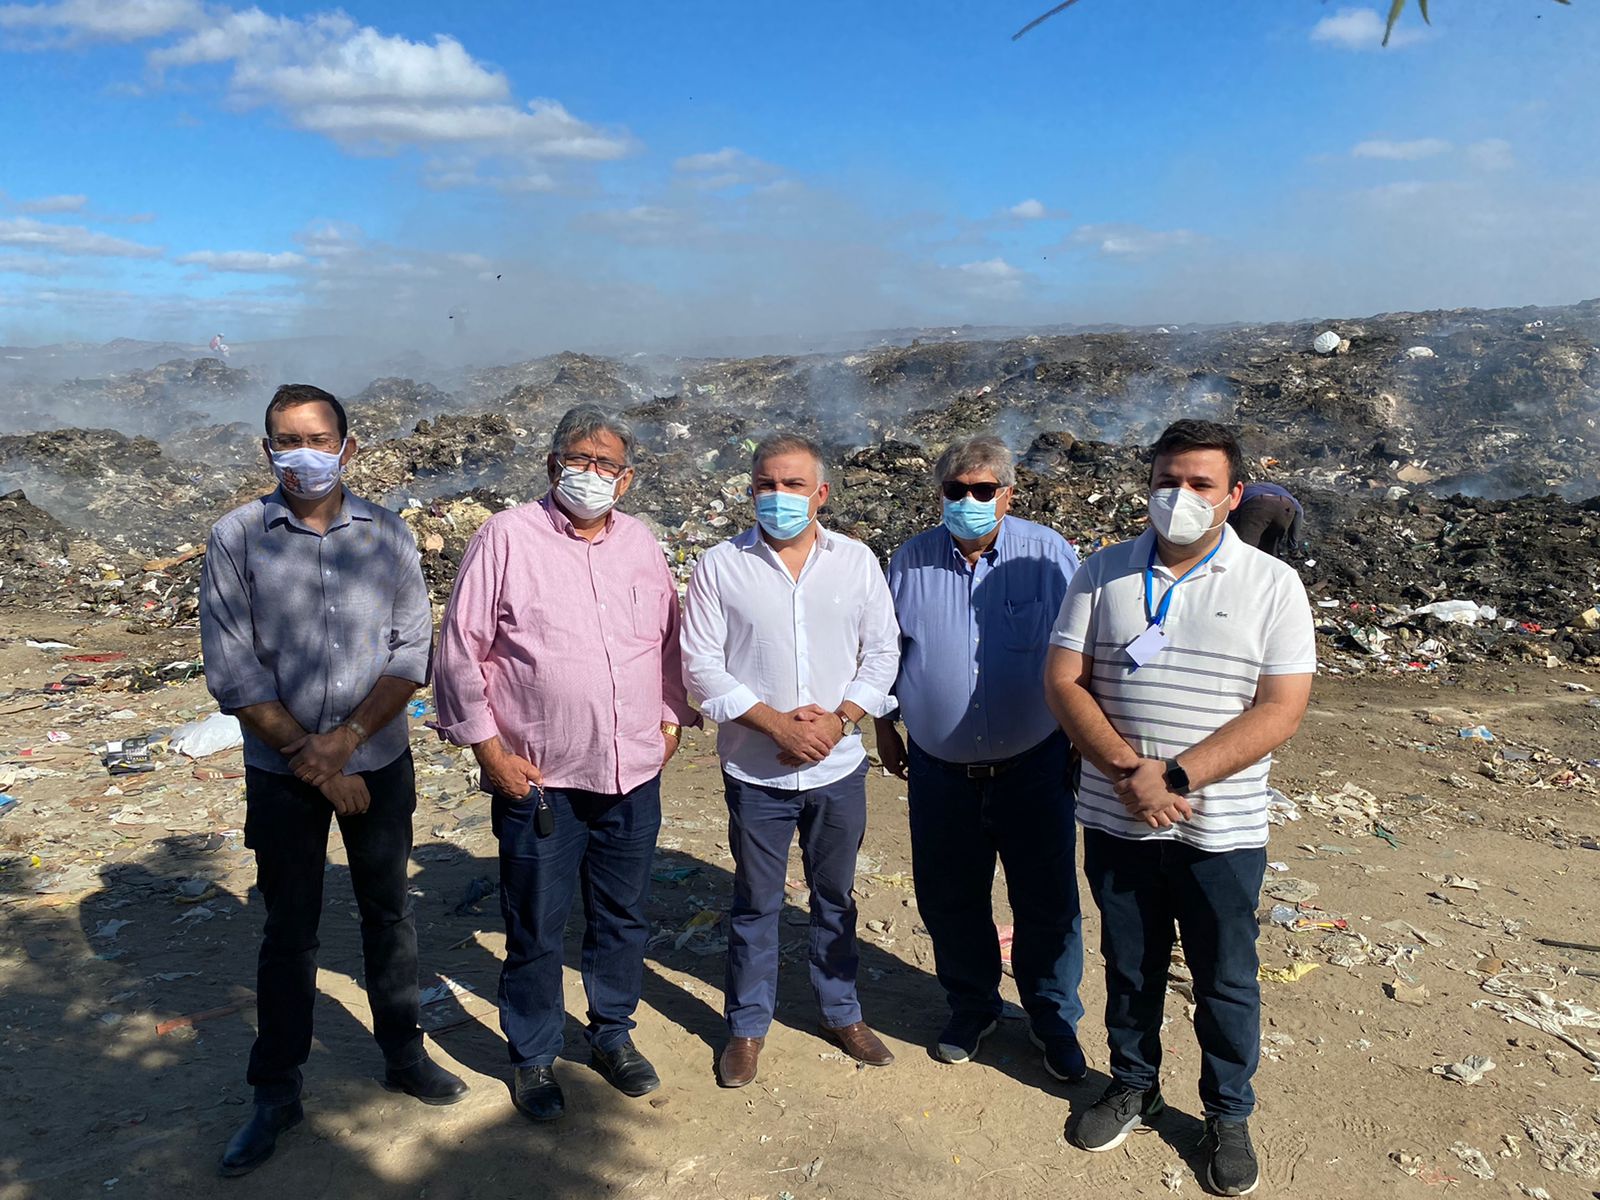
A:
[980,770]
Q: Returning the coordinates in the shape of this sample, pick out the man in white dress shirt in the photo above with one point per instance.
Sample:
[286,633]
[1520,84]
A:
[789,642]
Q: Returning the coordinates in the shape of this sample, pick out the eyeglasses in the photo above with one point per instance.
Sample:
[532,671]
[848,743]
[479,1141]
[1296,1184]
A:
[981,492]
[604,467]
[317,441]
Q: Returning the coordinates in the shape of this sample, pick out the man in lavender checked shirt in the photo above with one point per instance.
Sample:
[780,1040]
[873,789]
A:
[559,665]
[789,642]
[315,625]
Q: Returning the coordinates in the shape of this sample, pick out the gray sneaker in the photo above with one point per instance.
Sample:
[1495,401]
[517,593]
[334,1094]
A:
[1231,1166]
[1106,1123]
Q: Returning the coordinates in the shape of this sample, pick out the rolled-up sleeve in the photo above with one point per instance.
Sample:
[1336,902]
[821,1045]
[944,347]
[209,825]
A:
[880,648]
[411,625]
[235,676]
[460,687]
[705,662]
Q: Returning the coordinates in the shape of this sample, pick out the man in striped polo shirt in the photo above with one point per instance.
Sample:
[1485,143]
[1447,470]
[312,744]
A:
[1180,661]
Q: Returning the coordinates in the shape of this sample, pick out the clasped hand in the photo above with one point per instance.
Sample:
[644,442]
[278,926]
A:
[807,734]
[1145,794]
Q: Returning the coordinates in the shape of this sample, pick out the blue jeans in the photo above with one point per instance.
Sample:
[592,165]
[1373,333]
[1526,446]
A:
[762,821]
[1143,889]
[602,844]
[958,827]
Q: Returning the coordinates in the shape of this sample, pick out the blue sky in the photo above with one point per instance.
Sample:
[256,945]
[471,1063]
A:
[650,175]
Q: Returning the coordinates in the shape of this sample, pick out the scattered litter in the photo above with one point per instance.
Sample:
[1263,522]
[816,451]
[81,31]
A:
[1326,343]
[1468,1071]
[1407,993]
[703,921]
[6,802]
[1172,1177]
[109,929]
[1457,612]
[1473,1160]
[50,645]
[1280,809]
[1277,867]
[478,890]
[208,736]
[1379,831]
[1478,733]
[58,736]
[1291,890]
[186,1022]
[444,990]
[1562,1145]
[675,875]
[1293,973]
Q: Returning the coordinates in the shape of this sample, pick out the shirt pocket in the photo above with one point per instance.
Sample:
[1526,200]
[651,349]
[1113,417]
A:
[1023,626]
[647,604]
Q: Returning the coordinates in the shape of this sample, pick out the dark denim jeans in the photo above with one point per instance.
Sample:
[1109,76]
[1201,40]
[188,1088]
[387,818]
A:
[762,821]
[1144,889]
[602,844]
[1025,817]
[286,823]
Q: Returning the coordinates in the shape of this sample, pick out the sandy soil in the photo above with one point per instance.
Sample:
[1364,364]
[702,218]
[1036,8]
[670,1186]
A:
[97,1102]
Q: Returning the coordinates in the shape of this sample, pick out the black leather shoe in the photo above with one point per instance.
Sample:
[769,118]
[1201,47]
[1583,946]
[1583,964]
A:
[254,1144]
[427,1081]
[537,1095]
[626,1069]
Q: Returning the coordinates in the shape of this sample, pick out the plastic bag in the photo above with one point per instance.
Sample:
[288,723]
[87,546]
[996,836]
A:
[211,735]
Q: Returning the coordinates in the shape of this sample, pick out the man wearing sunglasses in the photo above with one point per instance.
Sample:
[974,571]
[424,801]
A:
[559,666]
[988,768]
[789,642]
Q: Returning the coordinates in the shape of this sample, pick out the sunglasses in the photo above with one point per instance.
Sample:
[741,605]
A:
[981,492]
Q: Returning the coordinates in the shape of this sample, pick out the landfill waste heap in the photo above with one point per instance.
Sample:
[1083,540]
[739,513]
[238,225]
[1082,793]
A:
[1446,460]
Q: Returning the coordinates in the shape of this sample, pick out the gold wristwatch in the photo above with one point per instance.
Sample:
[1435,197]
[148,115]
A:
[671,730]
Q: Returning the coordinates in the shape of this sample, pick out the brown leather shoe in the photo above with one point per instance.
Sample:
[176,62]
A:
[736,1066]
[861,1044]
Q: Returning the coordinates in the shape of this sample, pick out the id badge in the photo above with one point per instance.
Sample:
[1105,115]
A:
[1146,646]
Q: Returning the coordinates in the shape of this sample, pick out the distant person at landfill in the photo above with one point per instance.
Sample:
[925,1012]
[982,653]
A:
[1180,661]
[559,666]
[989,770]
[1268,518]
[316,628]
[789,643]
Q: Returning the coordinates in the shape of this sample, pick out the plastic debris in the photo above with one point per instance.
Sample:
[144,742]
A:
[1293,973]
[1326,342]
[478,890]
[208,736]
[1468,1071]
[1291,890]
[1477,733]
[1473,1161]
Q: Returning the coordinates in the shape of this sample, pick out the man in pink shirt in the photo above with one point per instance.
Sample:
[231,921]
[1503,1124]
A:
[559,665]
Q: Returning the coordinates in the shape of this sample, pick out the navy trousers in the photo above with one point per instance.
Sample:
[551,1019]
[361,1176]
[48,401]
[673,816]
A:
[762,821]
[1025,816]
[286,823]
[1146,887]
[602,845]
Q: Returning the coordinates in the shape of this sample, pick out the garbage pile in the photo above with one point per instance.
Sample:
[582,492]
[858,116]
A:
[1442,457]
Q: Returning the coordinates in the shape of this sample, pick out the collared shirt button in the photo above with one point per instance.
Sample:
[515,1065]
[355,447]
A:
[331,608]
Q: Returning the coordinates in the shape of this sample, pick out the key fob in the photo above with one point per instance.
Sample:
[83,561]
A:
[544,817]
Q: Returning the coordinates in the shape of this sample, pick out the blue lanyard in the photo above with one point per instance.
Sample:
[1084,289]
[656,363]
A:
[1157,615]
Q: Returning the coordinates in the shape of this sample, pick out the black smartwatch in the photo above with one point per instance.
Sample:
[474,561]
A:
[1176,777]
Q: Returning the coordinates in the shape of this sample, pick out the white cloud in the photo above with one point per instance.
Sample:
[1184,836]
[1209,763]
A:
[30,264]
[1132,241]
[1028,210]
[246,261]
[1400,151]
[54,204]
[103,20]
[1361,29]
[994,270]
[369,91]
[728,167]
[29,234]
[1491,154]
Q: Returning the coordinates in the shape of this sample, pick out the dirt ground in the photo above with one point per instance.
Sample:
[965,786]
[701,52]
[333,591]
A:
[99,944]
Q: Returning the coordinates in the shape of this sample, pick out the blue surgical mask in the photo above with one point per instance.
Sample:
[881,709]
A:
[970,518]
[783,515]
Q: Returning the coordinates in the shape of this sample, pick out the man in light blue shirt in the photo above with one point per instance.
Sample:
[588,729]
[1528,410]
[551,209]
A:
[988,767]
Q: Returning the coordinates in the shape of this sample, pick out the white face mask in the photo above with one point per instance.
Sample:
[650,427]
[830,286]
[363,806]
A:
[1180,516]
[308,474]
[586,494]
